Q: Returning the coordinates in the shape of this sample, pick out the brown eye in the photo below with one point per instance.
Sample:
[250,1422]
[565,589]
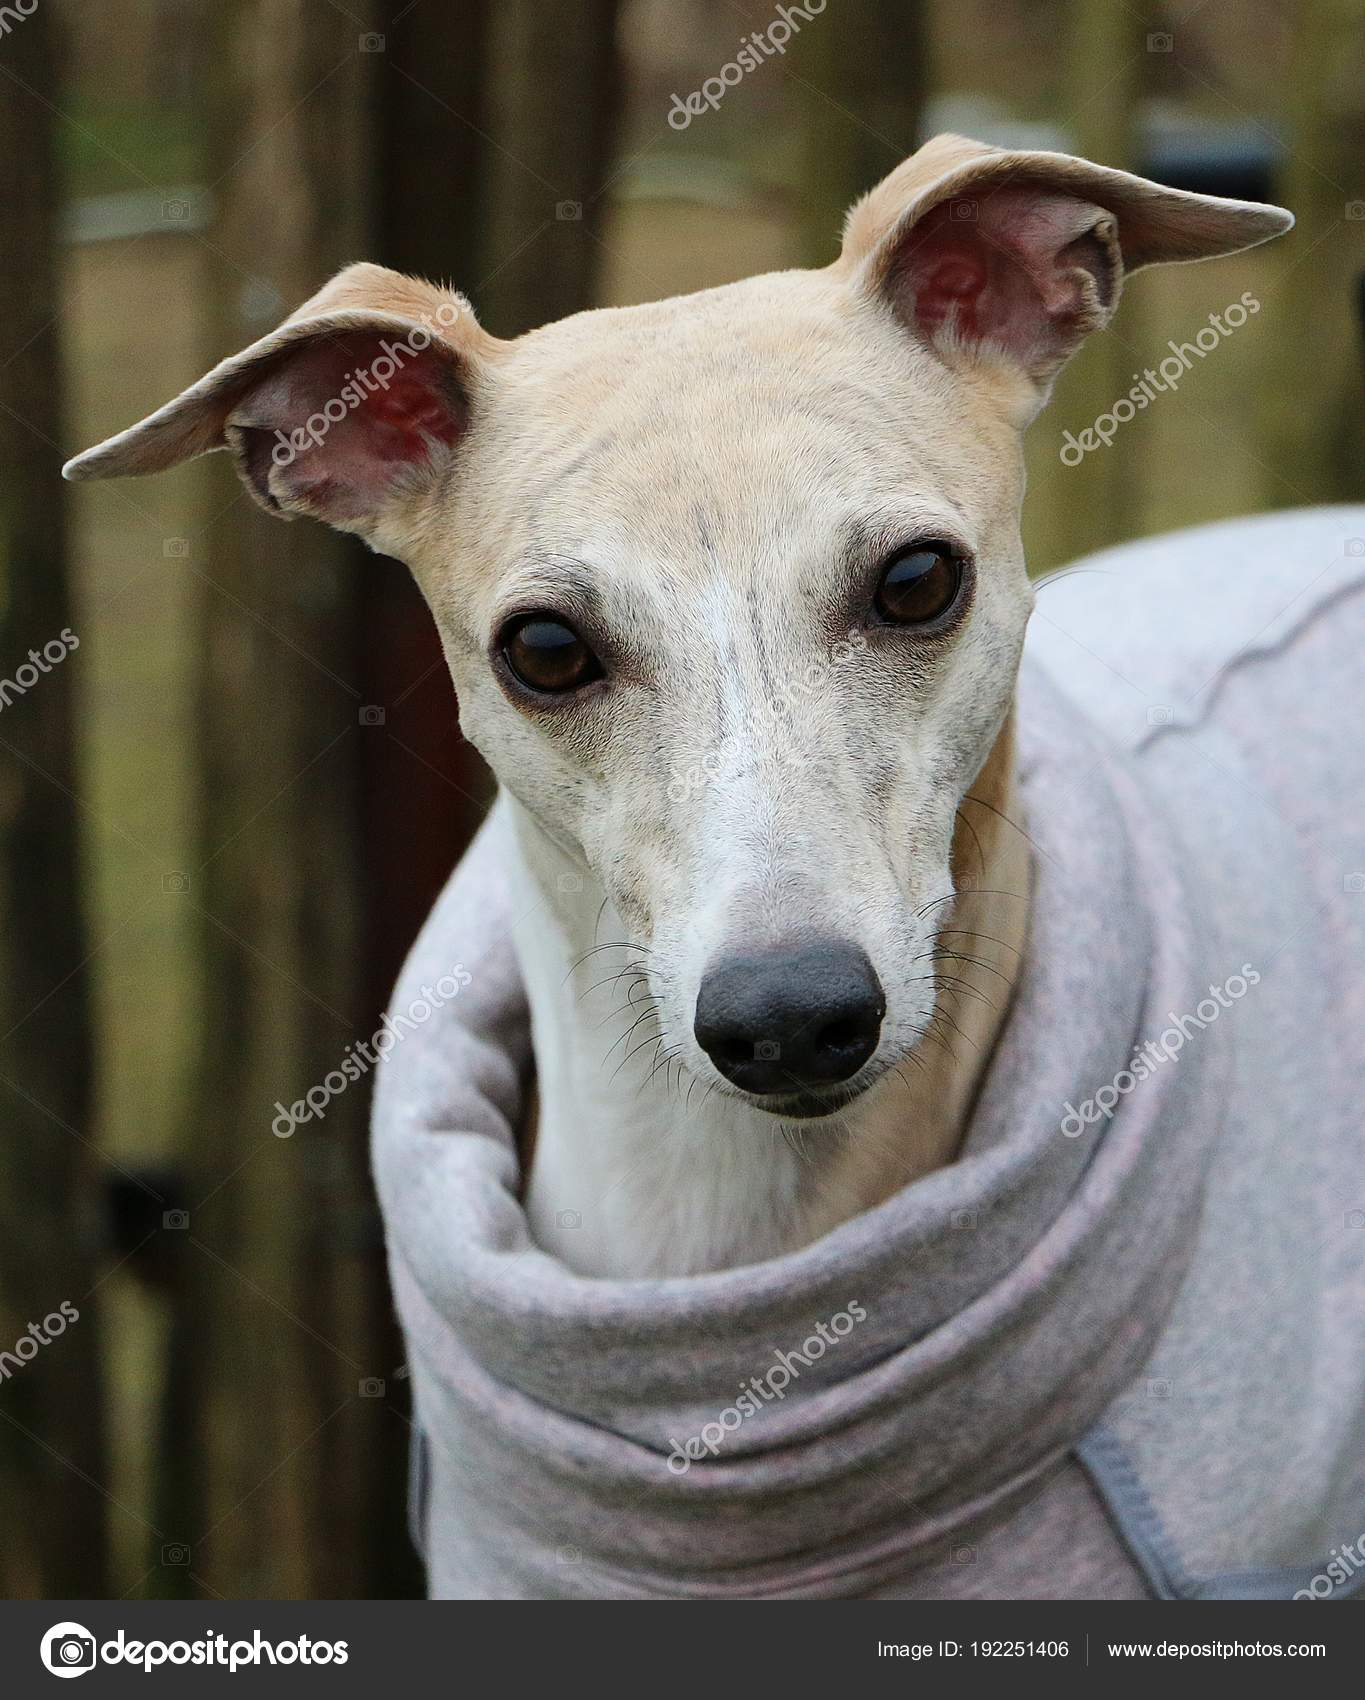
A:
[547,655]
[919,585]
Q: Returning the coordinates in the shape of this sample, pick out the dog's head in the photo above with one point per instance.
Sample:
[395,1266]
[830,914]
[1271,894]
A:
[731,585]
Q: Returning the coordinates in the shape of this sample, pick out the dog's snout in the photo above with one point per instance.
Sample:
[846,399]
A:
[791,1019]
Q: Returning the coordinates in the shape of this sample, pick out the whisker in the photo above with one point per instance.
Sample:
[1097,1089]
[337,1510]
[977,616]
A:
[649,1039]
[632,1005]
[971,891]
[615,944]
[624,1037]
[634,969]
[971,932]
[1001,815]
[964,956]
[665,1059]
[955,983]
[980,853]
[942,1014]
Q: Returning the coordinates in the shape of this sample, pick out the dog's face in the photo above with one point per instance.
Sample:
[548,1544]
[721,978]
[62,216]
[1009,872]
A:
[730,586]
[733,596]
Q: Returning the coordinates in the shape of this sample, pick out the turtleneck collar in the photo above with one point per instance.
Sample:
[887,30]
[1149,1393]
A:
[1005,1299]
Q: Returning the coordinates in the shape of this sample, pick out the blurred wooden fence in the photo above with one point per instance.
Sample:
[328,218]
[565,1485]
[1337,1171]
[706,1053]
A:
[53,1502]
[478,143]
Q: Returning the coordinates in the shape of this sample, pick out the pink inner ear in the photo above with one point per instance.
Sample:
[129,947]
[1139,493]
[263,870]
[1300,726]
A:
[952,291]
[334,424]
[411,408]
[1017,269]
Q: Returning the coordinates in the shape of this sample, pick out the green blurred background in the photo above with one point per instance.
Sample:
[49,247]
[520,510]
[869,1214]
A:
[222,819]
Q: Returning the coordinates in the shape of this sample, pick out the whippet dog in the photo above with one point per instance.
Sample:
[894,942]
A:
[732,591]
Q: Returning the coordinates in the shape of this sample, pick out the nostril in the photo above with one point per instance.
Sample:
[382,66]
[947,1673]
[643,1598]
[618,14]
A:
[732,1053]
[844,1034]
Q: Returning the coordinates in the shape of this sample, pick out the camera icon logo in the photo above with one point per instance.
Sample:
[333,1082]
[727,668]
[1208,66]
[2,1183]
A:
[175,212]
[175,1554]
[569,212]
[68,1649]
[372,1388]
[1158,1389]
[961,1219]
[1356,545]
[372,715]
[1159,715]
[1160,41]
[569,1219]
[177,1219]
[962,212]
[767,1050]
[569,883]
[372,43]
[176,882]
[176,548]
[1355,212]
[1354,883]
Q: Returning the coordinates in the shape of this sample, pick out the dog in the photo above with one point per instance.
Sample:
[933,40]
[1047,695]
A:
[732,591]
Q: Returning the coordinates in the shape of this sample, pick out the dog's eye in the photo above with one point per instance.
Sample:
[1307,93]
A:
[919,585]
[547,655]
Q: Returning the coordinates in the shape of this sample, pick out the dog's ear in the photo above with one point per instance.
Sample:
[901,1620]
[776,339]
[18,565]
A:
[991,254]
[350,412]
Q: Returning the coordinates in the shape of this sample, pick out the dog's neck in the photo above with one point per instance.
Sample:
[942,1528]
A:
[637,1172]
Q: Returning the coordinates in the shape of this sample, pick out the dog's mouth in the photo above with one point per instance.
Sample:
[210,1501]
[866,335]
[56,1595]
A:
[808,1103]
[807,1106]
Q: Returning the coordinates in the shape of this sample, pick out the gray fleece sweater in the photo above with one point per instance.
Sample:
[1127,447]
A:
[1117,1350]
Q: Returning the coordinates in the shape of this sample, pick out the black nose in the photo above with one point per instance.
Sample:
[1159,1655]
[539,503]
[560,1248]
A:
[791,1019]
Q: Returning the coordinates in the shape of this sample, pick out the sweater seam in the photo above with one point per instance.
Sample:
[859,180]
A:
[1248,657]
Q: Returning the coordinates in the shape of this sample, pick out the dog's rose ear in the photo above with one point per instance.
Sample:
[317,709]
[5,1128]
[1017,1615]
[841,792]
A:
[350,410]
[984,252]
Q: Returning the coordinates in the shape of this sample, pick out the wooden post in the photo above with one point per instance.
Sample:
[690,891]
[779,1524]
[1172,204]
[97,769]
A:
[286,1367]
[1075,509]
[53,1474]
[861,76]
[1315,434]
[424,787]
[557,88]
